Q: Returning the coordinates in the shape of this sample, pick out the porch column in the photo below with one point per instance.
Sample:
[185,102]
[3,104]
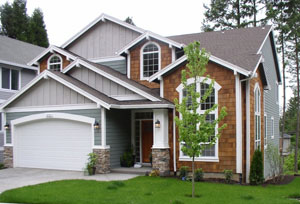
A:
[160,148]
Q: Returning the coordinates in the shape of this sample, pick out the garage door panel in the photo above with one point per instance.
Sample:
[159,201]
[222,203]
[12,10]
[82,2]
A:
[53,144]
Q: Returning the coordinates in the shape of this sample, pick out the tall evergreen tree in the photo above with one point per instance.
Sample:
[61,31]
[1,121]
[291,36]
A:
[37,34]
[20,20]
[6,15]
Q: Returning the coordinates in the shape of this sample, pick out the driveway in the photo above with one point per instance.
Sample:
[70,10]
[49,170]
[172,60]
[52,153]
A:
[19,177]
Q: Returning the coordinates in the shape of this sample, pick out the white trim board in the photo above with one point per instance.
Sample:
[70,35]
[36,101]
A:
[18,65]
[107,59]
[47,74]
[78,62]
[102,17]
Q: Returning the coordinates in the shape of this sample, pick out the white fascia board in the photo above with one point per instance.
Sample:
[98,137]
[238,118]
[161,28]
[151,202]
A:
[256,67]
[147,35]
[102,17]
[140,106]
[114,79]
[18,65]
[262,44]
[107,59]
[51,49]
[211,58]
[47,74]
[167,68]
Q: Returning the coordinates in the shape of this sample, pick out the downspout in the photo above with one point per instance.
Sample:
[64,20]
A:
[239,138]
[174,142]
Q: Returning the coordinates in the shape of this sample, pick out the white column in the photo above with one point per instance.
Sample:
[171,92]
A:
[128,65]
[161,136]
[248,130]
[239,139]
[103,127]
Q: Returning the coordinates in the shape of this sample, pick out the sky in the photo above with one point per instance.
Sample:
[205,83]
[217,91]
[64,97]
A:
[64,18]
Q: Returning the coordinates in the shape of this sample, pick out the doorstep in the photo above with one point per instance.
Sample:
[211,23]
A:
[131,170]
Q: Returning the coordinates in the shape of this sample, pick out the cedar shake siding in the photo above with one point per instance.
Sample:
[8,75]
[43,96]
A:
[44,62]
[226,97]
[166,59]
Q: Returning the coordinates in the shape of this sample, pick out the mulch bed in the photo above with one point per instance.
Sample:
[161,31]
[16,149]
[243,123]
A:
[285,180]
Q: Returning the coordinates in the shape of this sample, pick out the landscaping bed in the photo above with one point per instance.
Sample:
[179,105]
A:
[150,190]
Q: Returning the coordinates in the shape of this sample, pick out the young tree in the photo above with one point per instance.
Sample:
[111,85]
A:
[195,128]
[37,34]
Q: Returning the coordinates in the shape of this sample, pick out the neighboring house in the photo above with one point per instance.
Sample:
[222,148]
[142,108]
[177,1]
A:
[14,71]
[112,86]
[286,149]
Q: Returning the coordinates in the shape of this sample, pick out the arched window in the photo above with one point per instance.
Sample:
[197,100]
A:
[150,60]
[55,63]
[257,110]
[210,153]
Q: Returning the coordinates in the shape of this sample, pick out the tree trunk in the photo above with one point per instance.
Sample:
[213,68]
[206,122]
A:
[193,177]
[238,14]
[254,13]
[283,87]
[297,128]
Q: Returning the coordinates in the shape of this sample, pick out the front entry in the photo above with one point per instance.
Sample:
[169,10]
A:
[147,140]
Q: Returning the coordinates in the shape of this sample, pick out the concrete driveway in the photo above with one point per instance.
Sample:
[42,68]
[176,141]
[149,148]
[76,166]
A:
[19,177]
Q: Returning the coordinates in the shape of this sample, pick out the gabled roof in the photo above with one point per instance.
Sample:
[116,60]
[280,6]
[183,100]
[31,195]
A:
[147,35]
[51,49]
[116,77]
[102,17]
[16,52]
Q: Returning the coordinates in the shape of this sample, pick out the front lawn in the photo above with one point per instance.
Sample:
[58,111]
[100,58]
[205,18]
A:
[151,190]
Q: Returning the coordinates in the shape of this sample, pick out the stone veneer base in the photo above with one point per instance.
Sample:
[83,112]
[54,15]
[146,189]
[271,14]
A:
[161,161]
[8,157]
[103,162]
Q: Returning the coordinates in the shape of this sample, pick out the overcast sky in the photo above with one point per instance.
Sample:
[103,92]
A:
[64,18]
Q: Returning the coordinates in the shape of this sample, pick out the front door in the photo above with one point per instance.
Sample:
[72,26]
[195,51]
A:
[147,140]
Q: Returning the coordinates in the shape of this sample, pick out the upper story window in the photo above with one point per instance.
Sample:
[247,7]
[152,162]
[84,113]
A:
[210,153]
[257,110]
[9,79]
[55,63]
[150,60]
[266,131]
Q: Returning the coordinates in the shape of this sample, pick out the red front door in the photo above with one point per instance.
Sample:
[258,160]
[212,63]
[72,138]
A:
[147,140]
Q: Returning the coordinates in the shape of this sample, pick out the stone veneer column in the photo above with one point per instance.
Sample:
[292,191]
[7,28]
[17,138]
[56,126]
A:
[161,161]
[8,157]
[103,163]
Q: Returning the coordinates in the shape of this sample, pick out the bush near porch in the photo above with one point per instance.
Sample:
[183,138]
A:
[149,190]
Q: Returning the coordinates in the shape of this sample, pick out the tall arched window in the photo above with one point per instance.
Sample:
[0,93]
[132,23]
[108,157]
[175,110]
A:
[210,153]
[55,63]
[150,60]
[257,110]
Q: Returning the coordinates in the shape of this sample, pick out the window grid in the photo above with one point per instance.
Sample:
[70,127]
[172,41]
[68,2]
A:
[150,60]
[257,119]
[272,128]
[10,79]
[266,132]
[55,63]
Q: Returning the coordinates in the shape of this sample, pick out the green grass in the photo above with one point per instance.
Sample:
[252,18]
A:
[150,190]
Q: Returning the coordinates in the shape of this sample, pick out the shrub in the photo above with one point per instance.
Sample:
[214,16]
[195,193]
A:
[1,166]
[256,169]
[183,171]
[154,173]
[275,162]
[228,175]
[199,174]
[126,159]
[289,162]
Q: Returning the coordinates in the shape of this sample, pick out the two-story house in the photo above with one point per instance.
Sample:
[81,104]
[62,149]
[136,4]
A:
[14,71]
[112,87]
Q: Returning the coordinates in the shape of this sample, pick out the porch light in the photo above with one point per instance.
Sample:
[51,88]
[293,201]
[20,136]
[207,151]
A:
[6,126]
[157,124]
[96,125]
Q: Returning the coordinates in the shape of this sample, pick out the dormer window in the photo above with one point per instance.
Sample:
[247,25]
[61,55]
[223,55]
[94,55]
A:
[55,63]
[150,60]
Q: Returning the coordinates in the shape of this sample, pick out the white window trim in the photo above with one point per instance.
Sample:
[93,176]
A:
[142,59]
[266,131]
[55,55]
[277,93]
[257,113]
[272,127]
[9,90]
[217,87]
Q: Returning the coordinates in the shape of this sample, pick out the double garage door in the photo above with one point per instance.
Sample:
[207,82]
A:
[52,144]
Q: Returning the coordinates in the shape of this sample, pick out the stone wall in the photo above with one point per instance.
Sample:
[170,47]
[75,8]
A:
[8,157]
[103,163]
[161,161]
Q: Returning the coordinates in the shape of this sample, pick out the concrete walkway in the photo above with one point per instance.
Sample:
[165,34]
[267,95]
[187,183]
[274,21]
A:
[19,177]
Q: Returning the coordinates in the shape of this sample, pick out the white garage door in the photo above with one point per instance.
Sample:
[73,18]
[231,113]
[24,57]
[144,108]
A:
[52,144]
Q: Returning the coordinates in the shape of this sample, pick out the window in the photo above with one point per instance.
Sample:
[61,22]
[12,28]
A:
[272,127]
[277,93]
[266,132]
[210,153]
[55,63]
[150,60]
[9,79]
[257,117]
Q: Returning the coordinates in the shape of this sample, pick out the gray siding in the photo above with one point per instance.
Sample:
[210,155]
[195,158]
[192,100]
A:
[1,146]
[99,82]
[118,134]
[26,76]
[102,40]
[49,92]
[92,113]
[118,65]
[270,98]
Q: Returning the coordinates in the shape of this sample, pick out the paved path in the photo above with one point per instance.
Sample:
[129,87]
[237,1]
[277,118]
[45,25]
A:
[19,177]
